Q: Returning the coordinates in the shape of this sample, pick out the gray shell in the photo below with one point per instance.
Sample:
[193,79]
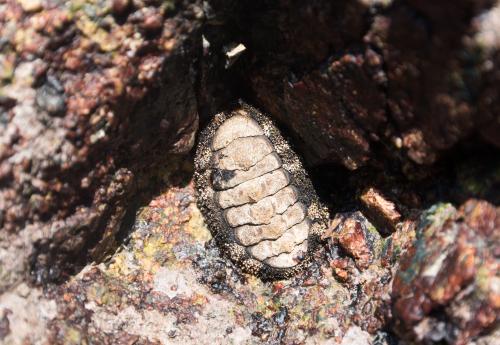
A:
[255,195]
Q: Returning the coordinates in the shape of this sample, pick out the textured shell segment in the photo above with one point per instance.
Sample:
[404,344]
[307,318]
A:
[255,195]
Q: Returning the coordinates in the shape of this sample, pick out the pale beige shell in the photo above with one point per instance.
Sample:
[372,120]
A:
[258,200]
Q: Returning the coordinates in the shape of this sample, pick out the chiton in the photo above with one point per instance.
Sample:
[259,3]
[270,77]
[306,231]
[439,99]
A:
[255,195]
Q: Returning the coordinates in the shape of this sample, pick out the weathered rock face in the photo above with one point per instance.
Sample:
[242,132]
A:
[89,92]
[446,288]
[256,196]
[397,81]
[99,102]
[169,285]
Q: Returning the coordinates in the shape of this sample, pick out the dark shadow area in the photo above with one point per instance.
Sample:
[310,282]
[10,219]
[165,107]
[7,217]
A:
[180,177]
[469,170]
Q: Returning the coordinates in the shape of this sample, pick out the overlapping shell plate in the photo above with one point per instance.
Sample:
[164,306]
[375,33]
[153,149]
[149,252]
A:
[255,195]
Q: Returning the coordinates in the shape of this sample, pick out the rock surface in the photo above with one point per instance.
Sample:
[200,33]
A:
[88,93]
[392,104]
[446,288]
[399,78]
[170,285]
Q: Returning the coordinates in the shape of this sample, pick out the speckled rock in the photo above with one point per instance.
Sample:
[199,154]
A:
[357,237]
[446,288]
[357,255]
[86,98]
[99,105]
[381,209]
[171,285]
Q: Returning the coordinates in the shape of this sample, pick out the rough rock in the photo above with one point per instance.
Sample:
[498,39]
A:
[393,106]
[171,285]
[357,254]
[446,288]
[357,237]
[382,210]
[88,96]
[357,81]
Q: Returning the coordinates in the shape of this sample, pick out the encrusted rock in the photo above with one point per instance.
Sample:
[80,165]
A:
[114,98]
[357,237]
[355,252]
[50,97]
[447,286]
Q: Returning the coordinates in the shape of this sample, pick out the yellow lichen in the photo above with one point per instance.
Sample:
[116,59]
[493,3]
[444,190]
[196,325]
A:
[196,227]
[73,336]
[107,41]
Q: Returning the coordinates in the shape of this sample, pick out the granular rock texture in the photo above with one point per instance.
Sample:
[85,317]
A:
[393,104]
[89,92]
[256,196]
[446,288]
[170,285]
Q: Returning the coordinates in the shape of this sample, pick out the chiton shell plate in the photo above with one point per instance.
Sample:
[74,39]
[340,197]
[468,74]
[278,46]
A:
[255,195]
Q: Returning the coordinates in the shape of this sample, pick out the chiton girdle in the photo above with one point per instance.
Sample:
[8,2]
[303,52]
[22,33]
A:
[255,195]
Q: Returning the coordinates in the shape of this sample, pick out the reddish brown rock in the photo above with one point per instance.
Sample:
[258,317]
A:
[445,286]
[342,268]
[97,99]
[356,253]
[383,211]
[332,114]
[395,81]
[357,237]
[87,99]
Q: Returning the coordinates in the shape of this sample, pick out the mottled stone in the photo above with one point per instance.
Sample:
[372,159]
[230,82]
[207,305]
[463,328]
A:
[389,85]
[446,288]
[412,84]
[87,101]
[357,236]
[50,97]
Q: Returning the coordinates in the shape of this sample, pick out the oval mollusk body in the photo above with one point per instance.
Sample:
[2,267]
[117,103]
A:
[255,195]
